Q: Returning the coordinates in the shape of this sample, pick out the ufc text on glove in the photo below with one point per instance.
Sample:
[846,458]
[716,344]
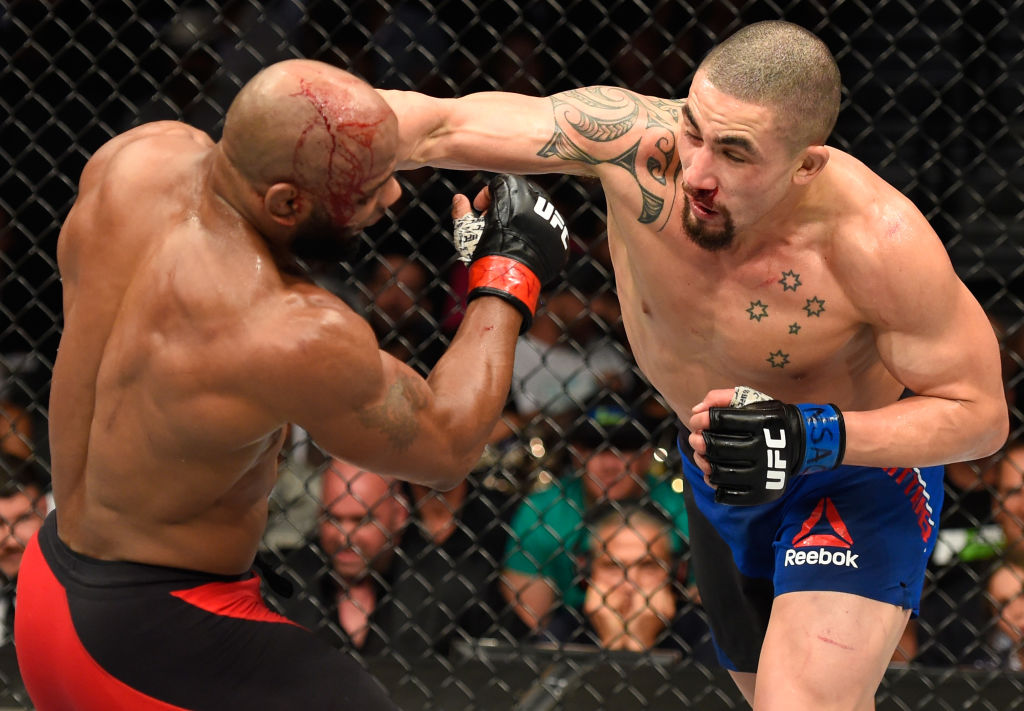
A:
[754,450]
[523,245]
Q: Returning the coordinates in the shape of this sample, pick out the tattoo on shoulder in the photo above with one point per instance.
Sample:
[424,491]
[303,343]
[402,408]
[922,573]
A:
[608,125]
[395,416]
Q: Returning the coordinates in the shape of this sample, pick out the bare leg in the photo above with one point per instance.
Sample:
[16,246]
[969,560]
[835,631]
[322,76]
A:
[825,651]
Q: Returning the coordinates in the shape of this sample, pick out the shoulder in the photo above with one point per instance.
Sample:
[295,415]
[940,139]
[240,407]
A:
[310,339]
[138,150]
[882,249]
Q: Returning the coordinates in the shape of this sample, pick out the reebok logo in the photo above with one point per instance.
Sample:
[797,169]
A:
[821,556]
[548,212]
[824,527]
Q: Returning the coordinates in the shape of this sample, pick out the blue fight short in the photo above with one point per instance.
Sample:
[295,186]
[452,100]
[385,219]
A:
[860,530]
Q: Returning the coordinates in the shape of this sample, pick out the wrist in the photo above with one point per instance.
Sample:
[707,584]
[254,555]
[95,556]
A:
[509,279]
[824,437]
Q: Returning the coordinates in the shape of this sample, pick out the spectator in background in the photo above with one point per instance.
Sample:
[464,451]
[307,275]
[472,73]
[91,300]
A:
[612,454]
[567,358]
[345,577]
[401,312]
[1006,590]
[16,431]
[23,506]
[1009,504]
[954,610]
[445,580]
[631,600]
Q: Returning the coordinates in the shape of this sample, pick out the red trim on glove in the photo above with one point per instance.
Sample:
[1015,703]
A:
[508,275]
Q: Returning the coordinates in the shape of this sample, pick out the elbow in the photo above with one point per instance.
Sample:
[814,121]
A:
[995,432]
[452,474]
[999,433]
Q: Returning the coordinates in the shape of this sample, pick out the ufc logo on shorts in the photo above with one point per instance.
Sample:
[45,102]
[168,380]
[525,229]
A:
[547,211]
[775,477]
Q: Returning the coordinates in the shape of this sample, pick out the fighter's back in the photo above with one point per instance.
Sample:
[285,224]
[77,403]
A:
[155,452]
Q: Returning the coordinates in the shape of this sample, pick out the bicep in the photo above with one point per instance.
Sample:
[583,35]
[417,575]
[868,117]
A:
[938,342]
[577,132]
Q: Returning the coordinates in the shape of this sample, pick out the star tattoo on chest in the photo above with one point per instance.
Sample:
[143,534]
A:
[757,310]
[790,281]
[814,306]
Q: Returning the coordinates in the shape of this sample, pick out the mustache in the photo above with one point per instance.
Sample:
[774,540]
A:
[701,194]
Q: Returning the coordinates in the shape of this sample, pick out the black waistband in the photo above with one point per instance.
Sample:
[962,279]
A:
[80,571]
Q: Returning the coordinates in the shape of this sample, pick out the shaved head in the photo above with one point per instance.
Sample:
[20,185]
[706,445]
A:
[782,66]
[315,126]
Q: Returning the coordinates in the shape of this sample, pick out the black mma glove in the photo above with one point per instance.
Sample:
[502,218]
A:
[754,450]
[523,246]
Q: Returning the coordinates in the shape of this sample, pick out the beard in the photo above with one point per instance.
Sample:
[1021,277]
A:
[320,240]
[703,235]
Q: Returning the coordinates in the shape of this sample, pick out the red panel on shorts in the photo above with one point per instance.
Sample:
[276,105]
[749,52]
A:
[241,600]
[58,672]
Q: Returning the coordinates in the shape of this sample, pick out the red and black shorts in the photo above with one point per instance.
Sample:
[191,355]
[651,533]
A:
[95,635]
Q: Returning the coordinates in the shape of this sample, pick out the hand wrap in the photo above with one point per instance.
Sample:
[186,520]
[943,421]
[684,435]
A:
[755,449]
[523,245]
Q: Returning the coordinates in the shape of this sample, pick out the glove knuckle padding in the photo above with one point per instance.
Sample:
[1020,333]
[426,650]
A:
[523,225]
[523,246]
[754,450]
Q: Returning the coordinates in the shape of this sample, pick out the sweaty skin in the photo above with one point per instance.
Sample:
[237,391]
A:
[835,288]
[741,259]
[189,344]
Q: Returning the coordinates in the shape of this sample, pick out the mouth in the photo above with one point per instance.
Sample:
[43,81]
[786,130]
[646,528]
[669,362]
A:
[702,208]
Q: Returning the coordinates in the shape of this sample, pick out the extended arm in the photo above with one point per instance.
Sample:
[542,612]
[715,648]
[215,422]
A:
[607,132]
[366,407]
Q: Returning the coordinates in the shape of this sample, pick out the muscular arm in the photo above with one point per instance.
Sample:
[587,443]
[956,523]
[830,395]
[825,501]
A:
[626,139]
[934,338]
[366,407]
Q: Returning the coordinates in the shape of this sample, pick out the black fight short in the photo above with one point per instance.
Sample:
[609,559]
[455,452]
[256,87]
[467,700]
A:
[95,635]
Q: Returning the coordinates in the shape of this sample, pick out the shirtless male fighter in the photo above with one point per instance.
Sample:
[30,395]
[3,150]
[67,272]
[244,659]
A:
[748,253]
[190,342]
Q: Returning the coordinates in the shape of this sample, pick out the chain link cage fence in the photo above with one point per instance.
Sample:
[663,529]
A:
[932,102]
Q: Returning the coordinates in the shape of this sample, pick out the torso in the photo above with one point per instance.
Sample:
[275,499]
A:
[157,456]
[778,318]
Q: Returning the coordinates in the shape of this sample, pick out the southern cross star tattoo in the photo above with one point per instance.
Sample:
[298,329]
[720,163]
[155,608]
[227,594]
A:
[794,328]
[814,306]
[778,359]
[790,281]
[757,310]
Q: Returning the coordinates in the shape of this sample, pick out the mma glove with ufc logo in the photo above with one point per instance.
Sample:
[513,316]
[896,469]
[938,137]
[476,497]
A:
[519,245]
[755,450]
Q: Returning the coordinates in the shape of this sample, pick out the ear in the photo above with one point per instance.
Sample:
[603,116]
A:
[286,204]
[813,161]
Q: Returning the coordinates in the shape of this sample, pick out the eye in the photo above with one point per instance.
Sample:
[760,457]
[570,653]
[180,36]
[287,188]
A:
[693,137]
[734,157]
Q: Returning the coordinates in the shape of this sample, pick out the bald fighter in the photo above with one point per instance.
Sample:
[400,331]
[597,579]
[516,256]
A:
[191,340]
[747,252]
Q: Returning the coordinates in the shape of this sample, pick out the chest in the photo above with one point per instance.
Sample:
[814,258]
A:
[776,316]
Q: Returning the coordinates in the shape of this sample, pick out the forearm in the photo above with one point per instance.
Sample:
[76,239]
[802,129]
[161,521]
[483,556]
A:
[926,431]
[493,131]
[470,382]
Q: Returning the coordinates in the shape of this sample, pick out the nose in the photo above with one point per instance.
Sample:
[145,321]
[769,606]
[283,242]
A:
[698,175]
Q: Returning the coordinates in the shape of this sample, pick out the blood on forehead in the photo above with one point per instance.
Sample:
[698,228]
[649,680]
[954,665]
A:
[340,134]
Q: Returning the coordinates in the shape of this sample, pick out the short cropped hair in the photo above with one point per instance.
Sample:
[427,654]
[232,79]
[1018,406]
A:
[16,474]
[784,67]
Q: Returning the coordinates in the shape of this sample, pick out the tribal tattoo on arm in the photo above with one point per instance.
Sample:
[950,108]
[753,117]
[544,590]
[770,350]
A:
[607,125]
[395,416]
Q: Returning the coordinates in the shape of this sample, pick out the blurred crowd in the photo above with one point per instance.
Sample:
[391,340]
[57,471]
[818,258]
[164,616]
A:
[571,529]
